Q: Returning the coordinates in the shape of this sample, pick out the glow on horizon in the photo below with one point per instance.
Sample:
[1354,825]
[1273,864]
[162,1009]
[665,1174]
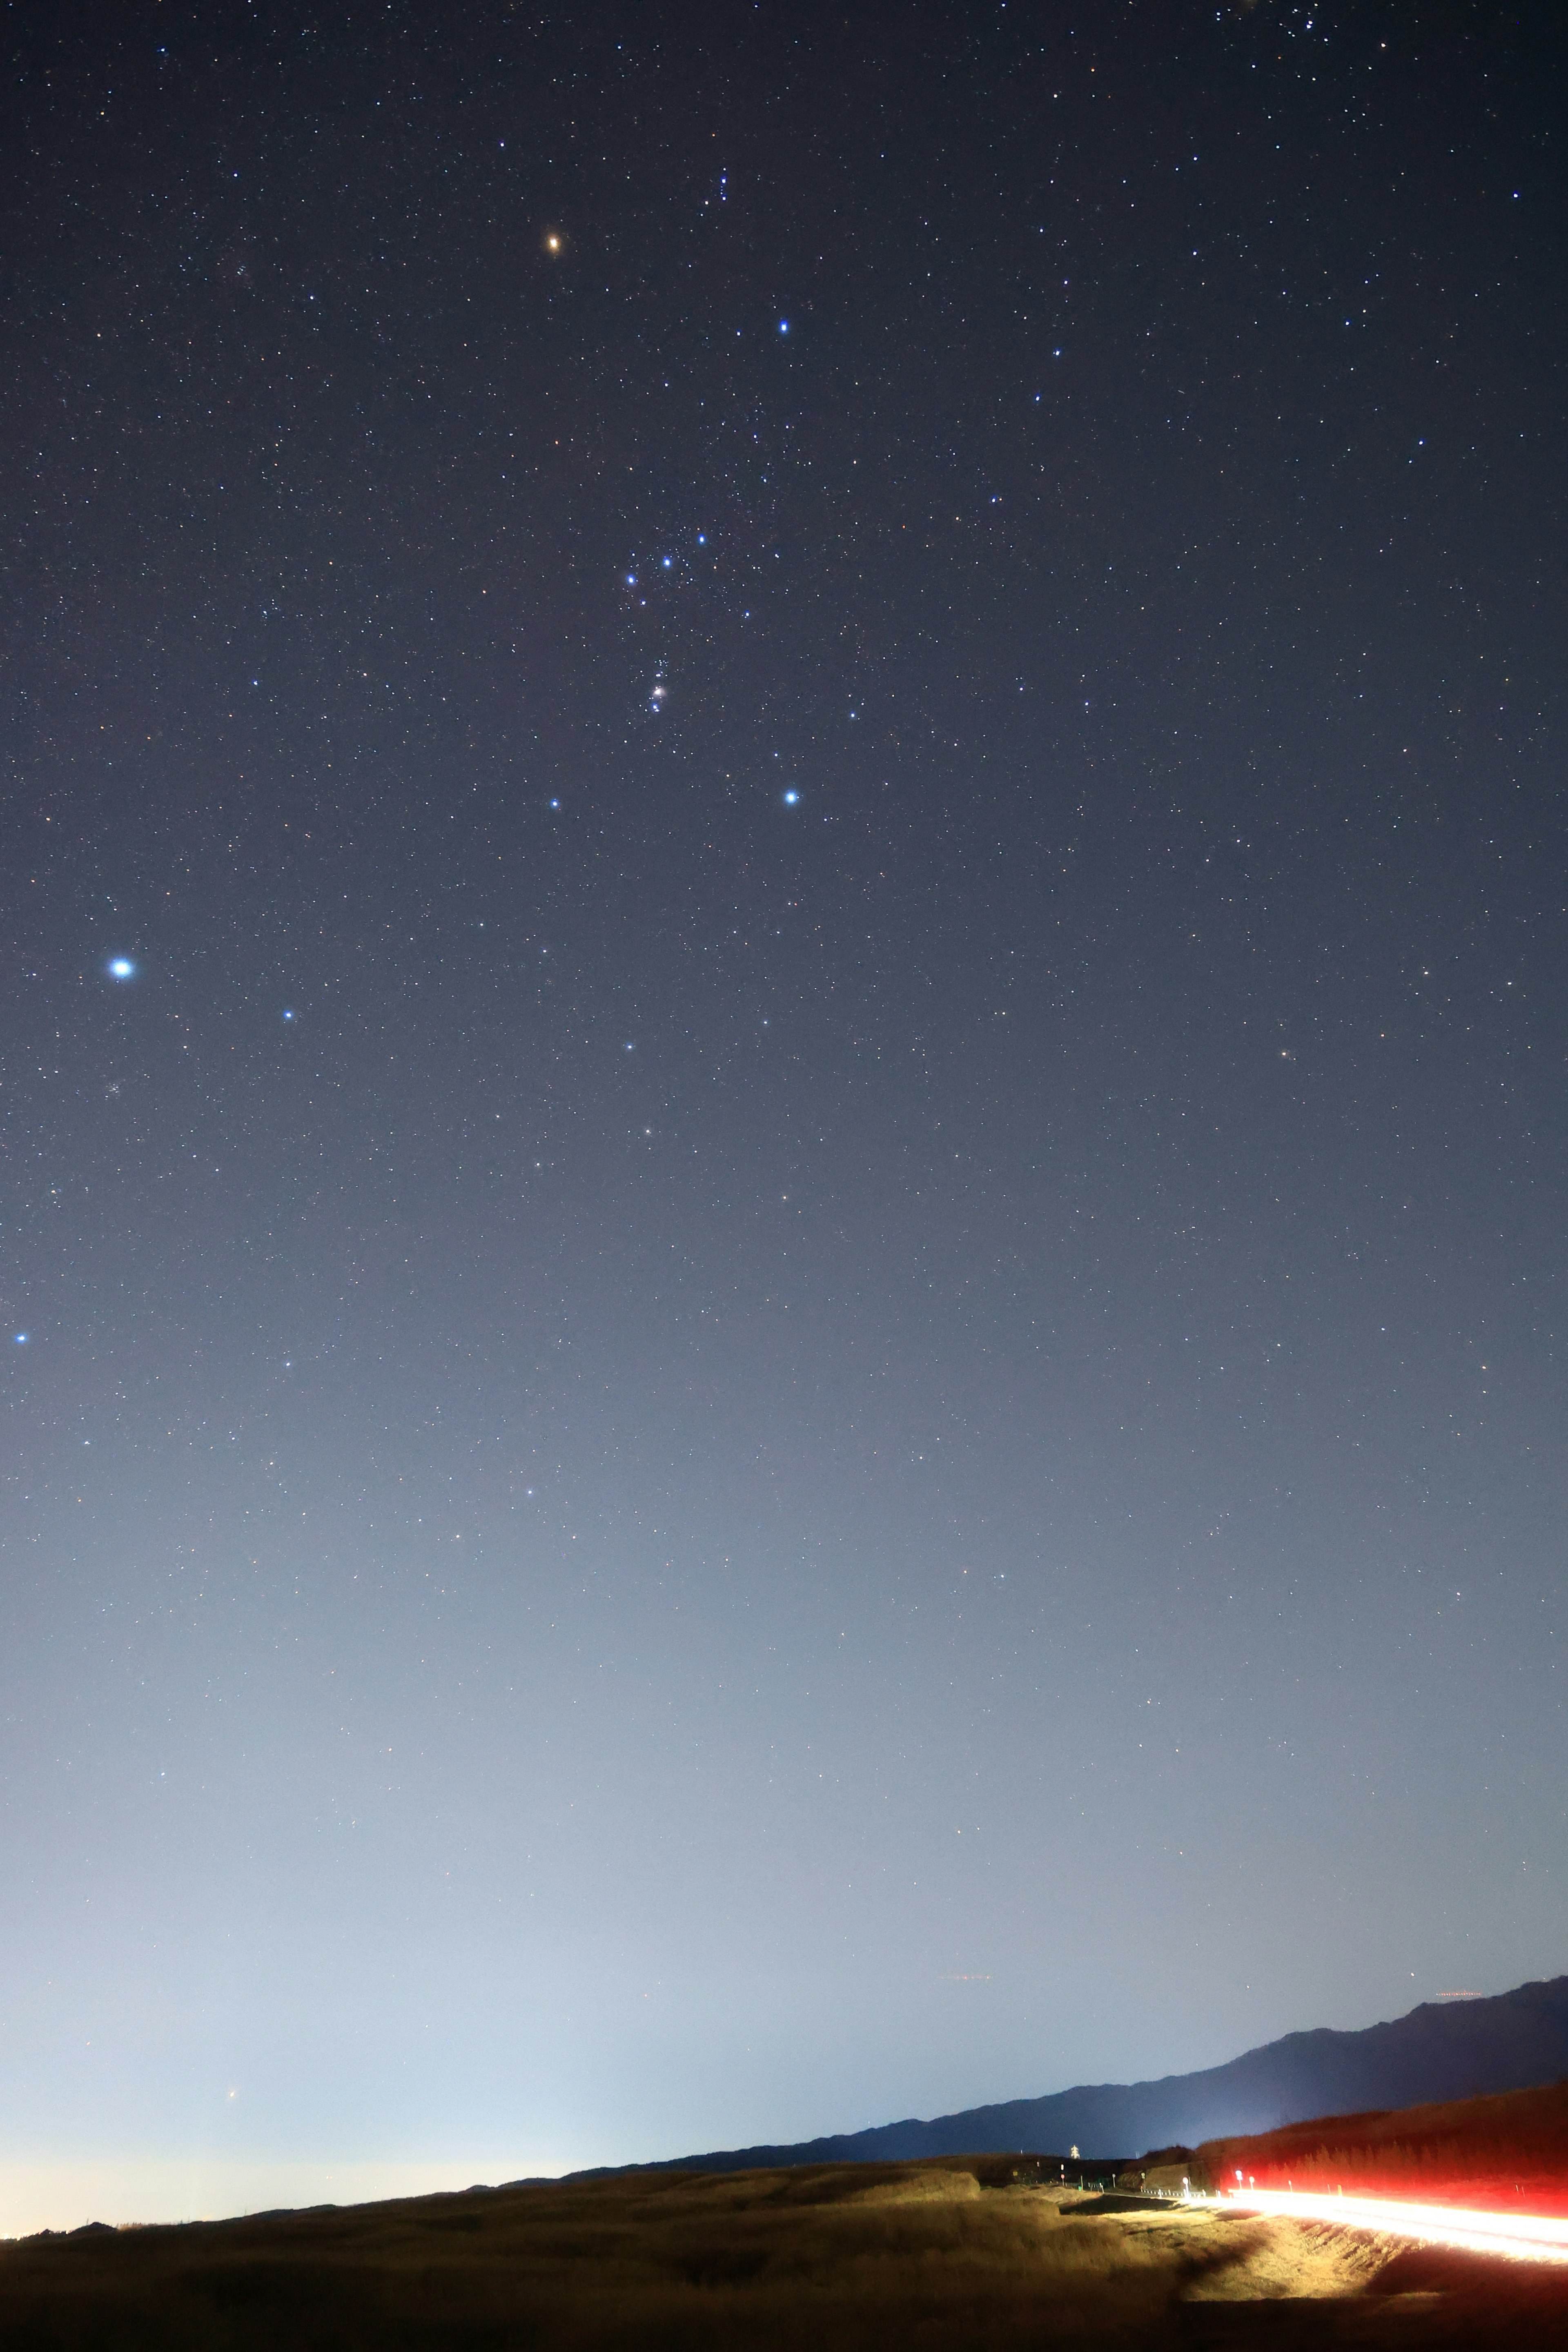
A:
[60,2193]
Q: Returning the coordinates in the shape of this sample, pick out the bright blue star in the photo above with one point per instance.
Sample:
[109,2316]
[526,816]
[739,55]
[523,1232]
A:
[631,579]
[667,562]
[121,968]
[22,1338]
[287,1015]
[791,798]
[784,326]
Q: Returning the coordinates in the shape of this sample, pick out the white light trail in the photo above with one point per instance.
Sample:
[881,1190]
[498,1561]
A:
[1524,2237]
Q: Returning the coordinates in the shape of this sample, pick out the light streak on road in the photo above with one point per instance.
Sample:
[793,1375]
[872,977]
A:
[1523,2237]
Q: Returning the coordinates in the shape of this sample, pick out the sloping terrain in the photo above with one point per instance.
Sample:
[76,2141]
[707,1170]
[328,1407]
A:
[1511,2040]
[1507,2151]
[950,2258]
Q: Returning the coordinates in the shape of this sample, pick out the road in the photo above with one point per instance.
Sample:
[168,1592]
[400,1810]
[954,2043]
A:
[1523,2237]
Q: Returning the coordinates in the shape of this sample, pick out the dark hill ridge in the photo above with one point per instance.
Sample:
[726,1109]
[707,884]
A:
[1511,2041]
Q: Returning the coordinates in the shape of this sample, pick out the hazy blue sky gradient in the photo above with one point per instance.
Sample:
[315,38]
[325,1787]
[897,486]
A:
[693,1467]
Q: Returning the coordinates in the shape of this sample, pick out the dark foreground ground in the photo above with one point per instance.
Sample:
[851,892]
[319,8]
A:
[951,2255]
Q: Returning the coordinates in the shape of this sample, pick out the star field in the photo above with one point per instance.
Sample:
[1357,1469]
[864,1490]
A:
[783,1074]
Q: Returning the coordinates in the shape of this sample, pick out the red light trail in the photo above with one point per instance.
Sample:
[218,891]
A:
[1523,2237]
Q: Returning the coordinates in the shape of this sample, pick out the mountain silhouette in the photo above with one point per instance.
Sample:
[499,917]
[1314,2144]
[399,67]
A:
[1509,2041]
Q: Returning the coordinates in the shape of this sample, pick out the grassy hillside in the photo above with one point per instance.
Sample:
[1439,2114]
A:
[1509,2151]
[949,2256]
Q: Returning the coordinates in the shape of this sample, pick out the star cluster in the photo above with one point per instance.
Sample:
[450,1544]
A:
[782,1085]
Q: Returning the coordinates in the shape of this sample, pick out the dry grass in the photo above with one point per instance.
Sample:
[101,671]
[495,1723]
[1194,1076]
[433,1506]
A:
[1510,2149]
[948,2256]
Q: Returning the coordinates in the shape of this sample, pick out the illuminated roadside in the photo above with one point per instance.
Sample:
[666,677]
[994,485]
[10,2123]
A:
[1524,2237]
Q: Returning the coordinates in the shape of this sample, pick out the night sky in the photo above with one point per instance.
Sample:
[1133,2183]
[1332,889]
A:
[782,1062]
